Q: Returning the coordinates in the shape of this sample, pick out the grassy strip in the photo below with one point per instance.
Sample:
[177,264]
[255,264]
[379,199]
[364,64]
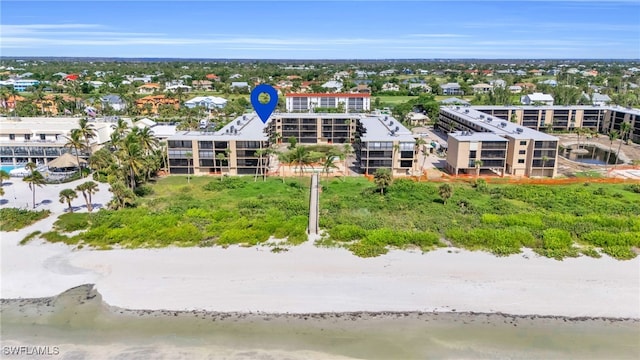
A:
[15,219]
[30,237]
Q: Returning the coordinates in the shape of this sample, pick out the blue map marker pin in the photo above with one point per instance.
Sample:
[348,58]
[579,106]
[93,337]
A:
[264,110]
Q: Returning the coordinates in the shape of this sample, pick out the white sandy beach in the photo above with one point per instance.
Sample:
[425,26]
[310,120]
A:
[307,279]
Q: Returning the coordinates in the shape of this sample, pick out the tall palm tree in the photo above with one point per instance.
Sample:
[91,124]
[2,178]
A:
[122,195]
[624,130]
[131,157]
[147,140]
[74,141]
[420,142]
[328,164]
[189,156]
[259,153]
[87,189]
[35,179]
[300,156]
[220,157]
[87,131]
[347,150]
[478,164]
[613,136]
[66,196]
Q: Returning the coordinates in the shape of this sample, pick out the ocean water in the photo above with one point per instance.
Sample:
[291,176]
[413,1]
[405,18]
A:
[86,328]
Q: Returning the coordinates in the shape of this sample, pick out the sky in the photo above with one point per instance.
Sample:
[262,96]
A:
[302,29]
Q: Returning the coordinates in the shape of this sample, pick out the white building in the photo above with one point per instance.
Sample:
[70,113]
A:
[304,102]
[537,98]
[208,102]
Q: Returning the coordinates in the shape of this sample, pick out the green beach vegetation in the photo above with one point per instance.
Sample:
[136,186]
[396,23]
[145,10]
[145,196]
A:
[204,212]
[15,219]
[554,221]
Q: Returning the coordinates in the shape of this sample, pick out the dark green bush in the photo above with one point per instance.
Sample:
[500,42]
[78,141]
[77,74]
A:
[72,222]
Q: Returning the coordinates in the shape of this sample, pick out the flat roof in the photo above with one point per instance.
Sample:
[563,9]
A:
[384,128]
[476,136]
[348,95]
[247,127]
[496,125]
[559,107]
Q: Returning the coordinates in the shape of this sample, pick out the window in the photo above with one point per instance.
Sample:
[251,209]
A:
[520,161]
[523,142]
[12,136]
[522,152]
[43,137]
[27,136]
[472,154]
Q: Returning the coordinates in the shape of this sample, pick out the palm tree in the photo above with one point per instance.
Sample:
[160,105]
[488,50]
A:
[87,132]
[300,156]
[446,191]
[328,164]
[624,130]
[122,194]
[227,153]
[75,142]
[66,196]
[220,157]
[478,164]
[88,188]
[396,150]
[259,153]
[613,136]
[347,150]
[3,176]
[131,156]
[284,158]
[383,179]
[146,139]
[189,156]
[34,179]
[1,191]
[420,142]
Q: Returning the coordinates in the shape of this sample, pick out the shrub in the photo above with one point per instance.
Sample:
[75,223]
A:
[143,190]
[54,237]
[72,222]
[15,219]
[619,252]
[590,252]
[634,188]
[344,232]
[605,239]
[366,249]
[556,239]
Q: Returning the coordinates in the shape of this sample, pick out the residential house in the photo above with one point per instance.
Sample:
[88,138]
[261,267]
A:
[515,89]
[451,89]
[235,76]
[113,101]
[176,88]
[388,72]
[361,89]
[481,88]
[71,77]
[333,85]
[600,99]
[536,72]
[212,77]
[239,84]
[149,88]
[498,83]
[151,104]
[526,86]
[202,85]
[421,85]
[208,102]
[454,101]
[10,102]
[550,82]
[537,99]
[390,87]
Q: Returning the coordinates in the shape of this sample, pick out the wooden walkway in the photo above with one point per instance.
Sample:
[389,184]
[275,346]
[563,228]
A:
[313,206]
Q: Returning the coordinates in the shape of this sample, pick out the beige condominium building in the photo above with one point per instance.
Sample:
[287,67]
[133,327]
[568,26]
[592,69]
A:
[602,119]
[478,142]
[379,141]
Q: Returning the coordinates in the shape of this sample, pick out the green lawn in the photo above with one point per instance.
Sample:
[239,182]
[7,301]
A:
[393,100]
[15,219]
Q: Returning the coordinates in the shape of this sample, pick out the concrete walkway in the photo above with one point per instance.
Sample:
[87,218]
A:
[313,206]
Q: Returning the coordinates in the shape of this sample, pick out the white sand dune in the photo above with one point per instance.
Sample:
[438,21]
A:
[307,279]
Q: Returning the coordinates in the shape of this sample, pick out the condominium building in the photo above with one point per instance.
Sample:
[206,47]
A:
[477,141]
[40,140]
[379,142]
[305,102]
[602,119]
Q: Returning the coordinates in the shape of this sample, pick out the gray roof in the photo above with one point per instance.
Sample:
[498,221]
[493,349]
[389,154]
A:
[383,128]
[476,136]
[496,125]
[454,100]
[450,86]
[247,127]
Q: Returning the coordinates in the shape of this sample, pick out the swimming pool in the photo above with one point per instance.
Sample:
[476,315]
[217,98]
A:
[8,168]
